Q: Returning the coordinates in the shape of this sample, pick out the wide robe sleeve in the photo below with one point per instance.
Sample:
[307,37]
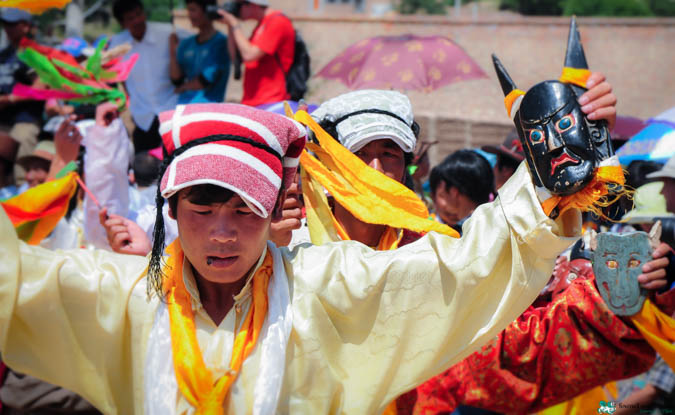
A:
[376,324]
[77,319]
[549,355]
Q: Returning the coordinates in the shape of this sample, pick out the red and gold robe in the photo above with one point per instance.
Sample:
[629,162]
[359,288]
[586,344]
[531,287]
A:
[553,352]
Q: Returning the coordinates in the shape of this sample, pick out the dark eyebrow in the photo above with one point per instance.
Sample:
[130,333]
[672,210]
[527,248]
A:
[390,145]
[546,119]
[609,253]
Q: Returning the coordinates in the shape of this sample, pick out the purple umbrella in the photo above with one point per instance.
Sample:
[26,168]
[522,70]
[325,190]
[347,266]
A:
[406,62]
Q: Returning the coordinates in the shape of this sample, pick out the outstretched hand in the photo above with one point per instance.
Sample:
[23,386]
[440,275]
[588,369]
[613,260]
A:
[124,235]
[598,102]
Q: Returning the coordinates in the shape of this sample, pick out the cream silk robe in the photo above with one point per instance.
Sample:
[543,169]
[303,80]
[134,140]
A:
[367,326]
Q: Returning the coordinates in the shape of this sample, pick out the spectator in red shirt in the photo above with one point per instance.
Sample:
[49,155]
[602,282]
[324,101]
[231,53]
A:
[267,54]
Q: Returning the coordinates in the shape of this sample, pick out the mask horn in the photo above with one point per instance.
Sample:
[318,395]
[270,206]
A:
[591,240]
[655,235]
[575,57]
[504,79]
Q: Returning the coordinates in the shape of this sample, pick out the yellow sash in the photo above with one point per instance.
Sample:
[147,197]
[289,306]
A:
[195,381]
[658,329]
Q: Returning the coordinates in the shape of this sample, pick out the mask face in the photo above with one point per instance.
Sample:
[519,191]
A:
[556,138]
[562,147]
[617,262]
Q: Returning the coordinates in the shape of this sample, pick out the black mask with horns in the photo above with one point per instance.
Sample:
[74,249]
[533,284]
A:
[562,146]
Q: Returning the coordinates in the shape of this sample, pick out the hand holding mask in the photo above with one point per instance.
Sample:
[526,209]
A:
[563,148]
[617,262]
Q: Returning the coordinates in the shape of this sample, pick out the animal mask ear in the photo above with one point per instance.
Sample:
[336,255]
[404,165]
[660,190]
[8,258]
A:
[575,57]
[591,240]
[655,235]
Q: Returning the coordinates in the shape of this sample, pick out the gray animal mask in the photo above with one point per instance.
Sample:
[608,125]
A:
[617,262]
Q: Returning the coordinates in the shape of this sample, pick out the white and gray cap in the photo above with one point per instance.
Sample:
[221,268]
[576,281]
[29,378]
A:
[667,172]
[368,115]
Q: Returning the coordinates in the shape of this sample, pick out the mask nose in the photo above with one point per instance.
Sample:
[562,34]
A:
[553,139]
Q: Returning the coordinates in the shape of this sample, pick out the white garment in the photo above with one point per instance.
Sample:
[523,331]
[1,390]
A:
[149,84]
[106,165]
[161,388]
[146,216]
[68,233]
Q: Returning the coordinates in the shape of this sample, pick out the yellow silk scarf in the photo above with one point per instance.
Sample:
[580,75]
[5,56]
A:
[658,329]
[586,403]
[366,193]
[195,381]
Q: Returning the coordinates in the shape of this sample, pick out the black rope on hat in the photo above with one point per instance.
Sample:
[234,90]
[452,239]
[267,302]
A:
[331,126]
[155,272]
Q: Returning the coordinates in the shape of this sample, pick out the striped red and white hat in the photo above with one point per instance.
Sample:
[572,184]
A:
[249,151]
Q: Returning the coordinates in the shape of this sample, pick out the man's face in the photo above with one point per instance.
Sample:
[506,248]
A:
[450,204]
[16,31]
[222,241]
[668,192]
[134,22]
[197,15]
[553,128]
[36,172]
[247,10]
[384,156]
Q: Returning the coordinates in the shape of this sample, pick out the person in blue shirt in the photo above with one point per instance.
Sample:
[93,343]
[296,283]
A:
[200,64]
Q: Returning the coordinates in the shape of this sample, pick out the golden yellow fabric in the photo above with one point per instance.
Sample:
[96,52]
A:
[194,380]
[575,76]
[35,6]
[586,403]
[510,98]
[319,215]
[366,193]
[591,197]
[367,326]
[658,329]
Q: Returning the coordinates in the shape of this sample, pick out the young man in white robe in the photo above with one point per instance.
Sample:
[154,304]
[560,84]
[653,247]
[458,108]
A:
[252,328]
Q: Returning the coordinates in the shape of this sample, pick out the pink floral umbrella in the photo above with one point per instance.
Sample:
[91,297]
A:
[406,62]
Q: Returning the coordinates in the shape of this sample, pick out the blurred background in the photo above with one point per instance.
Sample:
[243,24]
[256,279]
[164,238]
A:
[631,41]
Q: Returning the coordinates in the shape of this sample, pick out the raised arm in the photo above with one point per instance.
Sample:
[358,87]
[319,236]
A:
[390,320]
[74,319]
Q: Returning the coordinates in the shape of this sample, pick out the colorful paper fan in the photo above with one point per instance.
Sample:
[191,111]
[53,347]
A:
[35,6]
[88,83]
